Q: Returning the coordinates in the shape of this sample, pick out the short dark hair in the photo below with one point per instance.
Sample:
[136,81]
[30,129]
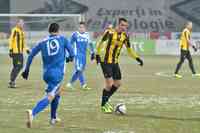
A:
[122,19]
[53,28]
[82,23]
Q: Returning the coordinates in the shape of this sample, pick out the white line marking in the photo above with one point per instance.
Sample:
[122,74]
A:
[163,74]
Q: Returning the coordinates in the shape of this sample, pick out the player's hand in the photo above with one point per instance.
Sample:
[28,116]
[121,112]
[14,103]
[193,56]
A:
[98,59]
[139,61]
[10,53]
[69,59]
[92,57]
[28,51]
[195,49]
[25,74]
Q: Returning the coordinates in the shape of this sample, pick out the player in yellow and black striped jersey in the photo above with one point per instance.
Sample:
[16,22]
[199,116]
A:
[17,46]
[108,51]
[185,43]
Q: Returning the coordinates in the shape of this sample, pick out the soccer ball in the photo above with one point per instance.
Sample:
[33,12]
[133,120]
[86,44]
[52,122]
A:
[120,109]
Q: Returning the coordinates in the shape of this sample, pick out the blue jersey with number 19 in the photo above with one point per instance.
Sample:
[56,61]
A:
[53,50]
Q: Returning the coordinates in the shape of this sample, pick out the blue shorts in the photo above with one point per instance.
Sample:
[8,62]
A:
[80,63]
[53,80]
[52,88]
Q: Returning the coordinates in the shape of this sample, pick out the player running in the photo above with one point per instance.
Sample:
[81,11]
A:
[80,41]
[53,50]
[114,39]
[185,43]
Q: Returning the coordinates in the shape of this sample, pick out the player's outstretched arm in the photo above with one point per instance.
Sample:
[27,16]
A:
[32,54]
[132,53]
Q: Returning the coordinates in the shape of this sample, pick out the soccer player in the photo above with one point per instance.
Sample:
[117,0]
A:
[185,43]
[114,40]
[80,41]
[17,46]
[53,50]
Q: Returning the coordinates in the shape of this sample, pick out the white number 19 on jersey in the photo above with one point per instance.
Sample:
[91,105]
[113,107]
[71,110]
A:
[52,47]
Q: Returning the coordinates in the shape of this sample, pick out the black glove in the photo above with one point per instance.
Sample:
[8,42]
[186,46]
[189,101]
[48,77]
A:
[92,57]
[10,53]
[69,59]
[25,74]
[98,59]
[28,51]
[195,49]
[139,61]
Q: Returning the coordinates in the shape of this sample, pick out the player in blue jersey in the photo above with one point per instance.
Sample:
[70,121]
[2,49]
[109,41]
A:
[53,51]
[80,41]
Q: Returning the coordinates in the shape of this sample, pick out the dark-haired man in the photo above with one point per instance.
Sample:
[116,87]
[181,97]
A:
[53,50]
[113,39]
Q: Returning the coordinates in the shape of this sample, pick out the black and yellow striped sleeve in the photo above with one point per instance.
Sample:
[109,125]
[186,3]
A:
[187,35]
[130,50]
[24,44]
[12,39]
[103,39]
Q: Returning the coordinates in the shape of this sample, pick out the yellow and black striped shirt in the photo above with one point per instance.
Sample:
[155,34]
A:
[114,42]
[17,41]
[185,37]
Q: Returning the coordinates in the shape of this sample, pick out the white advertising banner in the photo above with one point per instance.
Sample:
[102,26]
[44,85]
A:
[167,47]
[171,47]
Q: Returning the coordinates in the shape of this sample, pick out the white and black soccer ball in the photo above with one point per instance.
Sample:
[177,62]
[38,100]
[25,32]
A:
[120,109]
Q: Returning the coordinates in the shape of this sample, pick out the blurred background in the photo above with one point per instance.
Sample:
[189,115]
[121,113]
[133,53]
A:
[156,101]
[154,25]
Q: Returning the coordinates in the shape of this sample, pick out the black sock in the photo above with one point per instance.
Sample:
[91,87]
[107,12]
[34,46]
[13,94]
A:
[107,94]
[105,97]
[112,90]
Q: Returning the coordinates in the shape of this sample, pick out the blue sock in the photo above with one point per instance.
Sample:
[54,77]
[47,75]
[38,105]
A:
[82,78]
[74,77]
[54,106]
[41,105]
